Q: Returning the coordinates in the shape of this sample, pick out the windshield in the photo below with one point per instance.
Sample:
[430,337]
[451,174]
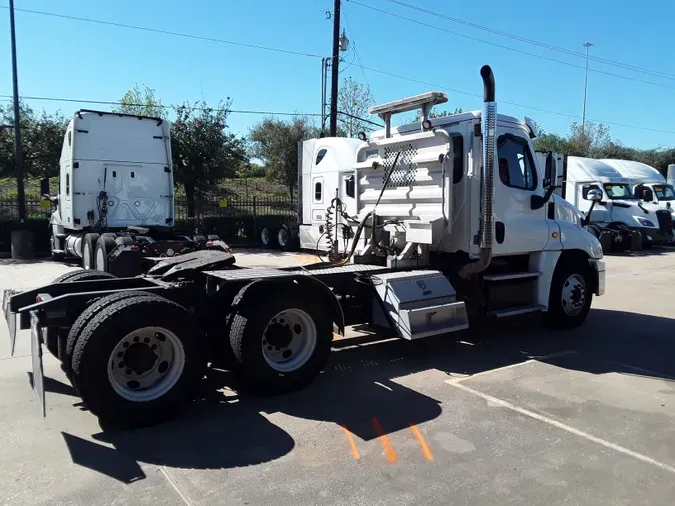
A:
[619,191]
[664,192]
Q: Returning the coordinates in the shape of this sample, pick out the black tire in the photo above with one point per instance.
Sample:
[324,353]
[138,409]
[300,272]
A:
[105,244]
[285,238]
[97,342]
[124,240]
[570,271]
[267,237]
[55,337]
[95,307]
[88,250]
[252,310]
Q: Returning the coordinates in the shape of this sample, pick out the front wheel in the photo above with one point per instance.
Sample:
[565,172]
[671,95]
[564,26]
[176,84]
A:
[571,295]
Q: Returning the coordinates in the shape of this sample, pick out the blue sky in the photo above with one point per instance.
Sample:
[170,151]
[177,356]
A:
[74,59]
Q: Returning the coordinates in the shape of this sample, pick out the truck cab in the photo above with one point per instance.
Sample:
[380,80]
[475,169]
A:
[420,194]
[618,209]
[649,184]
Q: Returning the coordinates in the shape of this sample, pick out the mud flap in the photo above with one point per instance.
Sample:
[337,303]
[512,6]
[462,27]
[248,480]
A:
[36,355]
[10,318]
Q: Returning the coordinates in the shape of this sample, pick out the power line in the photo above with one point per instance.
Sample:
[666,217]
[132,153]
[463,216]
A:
[532,41]
[358,56]
[516,104]
[495,44]
[56,99]
[8,98]
[166,32]
[111,102]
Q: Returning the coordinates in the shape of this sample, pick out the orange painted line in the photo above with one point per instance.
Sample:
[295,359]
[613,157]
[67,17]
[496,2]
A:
[425,447]
[352,443]
[336,336]
[384,439]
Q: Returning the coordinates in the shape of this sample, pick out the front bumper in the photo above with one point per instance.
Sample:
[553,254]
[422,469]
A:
[655,236]
[599,268]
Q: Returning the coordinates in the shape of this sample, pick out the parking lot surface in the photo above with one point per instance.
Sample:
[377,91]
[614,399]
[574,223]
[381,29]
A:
[507,414]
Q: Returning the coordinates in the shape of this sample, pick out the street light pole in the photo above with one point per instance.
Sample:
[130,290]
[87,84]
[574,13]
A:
[587,45]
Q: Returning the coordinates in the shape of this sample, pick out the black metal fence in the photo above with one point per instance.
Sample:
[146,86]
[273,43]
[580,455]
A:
[236,220]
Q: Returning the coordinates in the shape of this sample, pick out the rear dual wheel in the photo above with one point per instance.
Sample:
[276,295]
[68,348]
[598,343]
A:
[138,361]
[279,343]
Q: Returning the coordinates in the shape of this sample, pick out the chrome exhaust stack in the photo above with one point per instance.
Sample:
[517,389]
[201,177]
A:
[488,131]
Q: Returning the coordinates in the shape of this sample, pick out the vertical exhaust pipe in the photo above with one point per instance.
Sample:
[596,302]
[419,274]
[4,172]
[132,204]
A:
[488,131]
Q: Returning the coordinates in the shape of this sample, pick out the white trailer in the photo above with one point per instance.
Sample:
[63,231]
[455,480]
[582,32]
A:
[429,224]
[115,203]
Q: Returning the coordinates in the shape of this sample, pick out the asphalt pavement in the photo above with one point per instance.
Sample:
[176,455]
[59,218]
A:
[507,414]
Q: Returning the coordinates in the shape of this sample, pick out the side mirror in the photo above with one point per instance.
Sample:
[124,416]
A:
[44,186]
[594,195]
[550,171]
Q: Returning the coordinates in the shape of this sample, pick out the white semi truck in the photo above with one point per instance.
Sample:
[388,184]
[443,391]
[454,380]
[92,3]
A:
[115,203]
[430,225]
[649,184]
[634,224]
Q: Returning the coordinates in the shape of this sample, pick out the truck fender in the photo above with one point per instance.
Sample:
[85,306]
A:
[311,285]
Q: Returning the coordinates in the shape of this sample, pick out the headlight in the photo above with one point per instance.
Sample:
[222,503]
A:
[645,223]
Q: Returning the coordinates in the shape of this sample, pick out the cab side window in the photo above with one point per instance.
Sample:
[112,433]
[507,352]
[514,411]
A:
[516,165]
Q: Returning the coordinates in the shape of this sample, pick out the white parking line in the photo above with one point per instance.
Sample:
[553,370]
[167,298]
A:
[175,486]
[562,426]
[531,358]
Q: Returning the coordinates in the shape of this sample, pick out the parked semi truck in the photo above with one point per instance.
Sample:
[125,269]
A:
[606,197]
[115,203]
[649,185]
[431,225]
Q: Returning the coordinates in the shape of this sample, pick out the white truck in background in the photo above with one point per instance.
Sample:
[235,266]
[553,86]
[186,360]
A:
[634,224]
[115,203]
[649,184]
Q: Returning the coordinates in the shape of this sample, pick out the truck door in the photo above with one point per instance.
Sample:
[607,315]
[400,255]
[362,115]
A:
[518,227]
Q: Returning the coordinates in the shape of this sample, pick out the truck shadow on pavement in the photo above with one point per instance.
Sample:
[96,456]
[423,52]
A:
[358,385]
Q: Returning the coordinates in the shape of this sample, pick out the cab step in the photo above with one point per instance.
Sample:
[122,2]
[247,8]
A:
[511,276]
[513,311]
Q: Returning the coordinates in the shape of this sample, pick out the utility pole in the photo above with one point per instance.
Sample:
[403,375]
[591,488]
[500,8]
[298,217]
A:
[587,45]
[17,122]
[22,240]
[334,70]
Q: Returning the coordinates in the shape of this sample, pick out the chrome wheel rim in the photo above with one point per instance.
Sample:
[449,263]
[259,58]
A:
[86,256]
[289,340]
[574,293]
[100,260]
[145,364]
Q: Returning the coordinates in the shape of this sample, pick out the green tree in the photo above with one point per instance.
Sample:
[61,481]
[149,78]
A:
[41,140]
[141,101]
[441,114]
[204,151]
[354,99]
[275,143]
